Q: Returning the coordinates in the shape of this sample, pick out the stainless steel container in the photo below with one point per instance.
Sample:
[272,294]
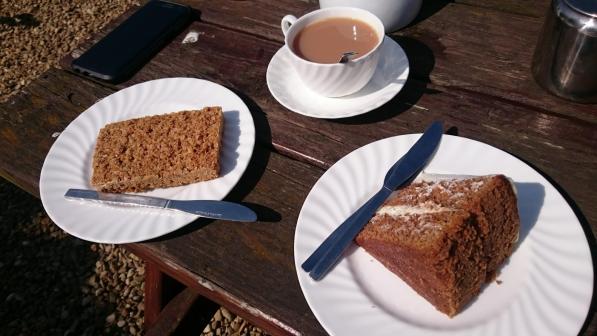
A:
[565,60]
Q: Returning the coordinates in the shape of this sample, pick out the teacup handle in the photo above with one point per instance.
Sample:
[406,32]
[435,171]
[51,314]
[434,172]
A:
[287,21]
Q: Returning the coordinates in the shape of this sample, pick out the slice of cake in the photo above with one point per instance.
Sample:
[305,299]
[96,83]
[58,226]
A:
[445,237]
[158,151]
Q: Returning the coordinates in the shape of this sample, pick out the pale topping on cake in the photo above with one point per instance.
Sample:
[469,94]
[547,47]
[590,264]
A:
[417,208]
[428,177]
[475,186]
[405,210]
[439,190]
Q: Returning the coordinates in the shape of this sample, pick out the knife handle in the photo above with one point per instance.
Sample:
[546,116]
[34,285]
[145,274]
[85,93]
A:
[342,240]
[323,248]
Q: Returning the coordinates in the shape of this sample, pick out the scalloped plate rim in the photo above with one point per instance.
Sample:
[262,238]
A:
[244,150]
[308,286]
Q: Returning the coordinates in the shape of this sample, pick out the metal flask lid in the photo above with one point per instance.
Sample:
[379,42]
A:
[578,14]
[587,7]
[565,59]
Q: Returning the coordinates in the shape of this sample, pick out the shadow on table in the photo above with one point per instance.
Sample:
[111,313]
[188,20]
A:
[250,178]
[257,164]
[421,62]
[428,8]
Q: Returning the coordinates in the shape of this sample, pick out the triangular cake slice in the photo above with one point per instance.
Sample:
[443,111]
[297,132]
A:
[445,237]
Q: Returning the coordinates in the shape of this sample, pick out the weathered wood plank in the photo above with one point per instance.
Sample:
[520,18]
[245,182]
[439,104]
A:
[260,17]
[536,8]
[239,61]
[488,52]
[29,120]
[469,47]
[249,267]
[481,49]
[216,56]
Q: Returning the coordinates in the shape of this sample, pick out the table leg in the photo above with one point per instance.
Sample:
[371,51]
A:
[174,313]
[154,280]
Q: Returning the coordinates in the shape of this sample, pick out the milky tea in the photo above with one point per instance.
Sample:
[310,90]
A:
[325,41]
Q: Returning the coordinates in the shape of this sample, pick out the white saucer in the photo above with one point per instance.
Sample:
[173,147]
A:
[288,89]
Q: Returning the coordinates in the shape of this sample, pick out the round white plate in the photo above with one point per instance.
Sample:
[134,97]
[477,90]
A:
[546,286]
[68,163]
[288,89]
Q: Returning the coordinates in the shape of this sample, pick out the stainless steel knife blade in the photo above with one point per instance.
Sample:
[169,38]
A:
[204,208]
[404,170]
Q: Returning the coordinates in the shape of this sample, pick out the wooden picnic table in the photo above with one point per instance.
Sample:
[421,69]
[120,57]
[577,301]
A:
[469,66]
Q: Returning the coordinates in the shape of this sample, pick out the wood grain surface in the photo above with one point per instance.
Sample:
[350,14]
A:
[31,120]
[469,67]
[535,8]
[239,61]
[471,47]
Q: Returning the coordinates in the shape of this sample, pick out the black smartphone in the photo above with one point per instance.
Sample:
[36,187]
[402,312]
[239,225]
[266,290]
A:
[124,50]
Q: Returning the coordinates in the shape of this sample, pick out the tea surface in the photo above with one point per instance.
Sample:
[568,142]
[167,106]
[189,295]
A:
[325,41]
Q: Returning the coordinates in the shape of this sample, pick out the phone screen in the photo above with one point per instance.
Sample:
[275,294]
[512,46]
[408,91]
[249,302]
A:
[134,41]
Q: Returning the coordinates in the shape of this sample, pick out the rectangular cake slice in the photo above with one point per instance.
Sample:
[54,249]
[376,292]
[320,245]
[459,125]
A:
[158,151]
[445,237]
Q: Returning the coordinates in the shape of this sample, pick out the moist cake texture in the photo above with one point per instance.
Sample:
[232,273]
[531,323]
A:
[445,238]
[158,151]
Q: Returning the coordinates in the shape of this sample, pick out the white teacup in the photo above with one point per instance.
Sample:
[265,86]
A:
[334,80]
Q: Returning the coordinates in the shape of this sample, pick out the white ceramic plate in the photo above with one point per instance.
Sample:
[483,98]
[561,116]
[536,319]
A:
[546,285]
[388,79]
[68,163]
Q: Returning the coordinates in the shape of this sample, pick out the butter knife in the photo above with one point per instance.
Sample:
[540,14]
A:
[204,208]
[405,169]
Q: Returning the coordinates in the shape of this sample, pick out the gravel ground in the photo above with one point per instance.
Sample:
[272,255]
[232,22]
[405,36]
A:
[52,283]
[34,34]
[55,284]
